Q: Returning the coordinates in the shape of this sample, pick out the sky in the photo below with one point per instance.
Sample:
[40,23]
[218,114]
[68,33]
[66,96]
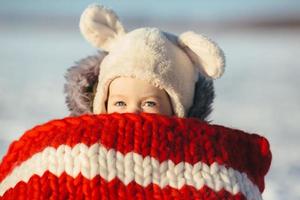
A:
[160,9]
[258,93]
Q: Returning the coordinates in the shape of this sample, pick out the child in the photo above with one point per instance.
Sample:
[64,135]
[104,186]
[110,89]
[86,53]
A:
[137,156]
[176,71]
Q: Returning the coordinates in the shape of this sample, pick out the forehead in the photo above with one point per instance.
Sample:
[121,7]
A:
[124,85]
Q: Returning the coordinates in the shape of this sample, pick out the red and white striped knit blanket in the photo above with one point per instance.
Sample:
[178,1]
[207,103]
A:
[129,156]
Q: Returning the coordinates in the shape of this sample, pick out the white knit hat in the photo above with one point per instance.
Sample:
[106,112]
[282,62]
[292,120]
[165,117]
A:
[168,62]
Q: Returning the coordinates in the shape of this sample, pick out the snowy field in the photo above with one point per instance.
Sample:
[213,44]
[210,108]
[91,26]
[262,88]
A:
[258,93]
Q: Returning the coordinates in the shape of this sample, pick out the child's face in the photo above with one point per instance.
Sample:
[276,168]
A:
[130,95]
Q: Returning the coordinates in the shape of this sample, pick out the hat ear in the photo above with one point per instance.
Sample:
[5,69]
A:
[204,53]
[100,26]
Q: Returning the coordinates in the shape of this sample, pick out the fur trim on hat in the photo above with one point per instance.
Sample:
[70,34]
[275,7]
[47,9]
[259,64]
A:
[203,99]
[82,78]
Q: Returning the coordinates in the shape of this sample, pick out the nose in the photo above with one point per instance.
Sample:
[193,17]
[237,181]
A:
[134,109]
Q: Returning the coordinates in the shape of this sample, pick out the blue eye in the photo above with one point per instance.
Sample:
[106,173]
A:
[150,103]
[120,103]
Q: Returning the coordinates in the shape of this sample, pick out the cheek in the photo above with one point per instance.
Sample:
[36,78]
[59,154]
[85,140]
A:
[152,110]
[113,109]
[166,108]
[162,109]
[110,108]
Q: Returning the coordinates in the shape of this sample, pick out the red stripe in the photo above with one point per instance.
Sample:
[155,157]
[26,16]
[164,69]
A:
[65,187]
[161,137]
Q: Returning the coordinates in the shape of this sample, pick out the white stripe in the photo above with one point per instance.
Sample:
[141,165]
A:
[109,164]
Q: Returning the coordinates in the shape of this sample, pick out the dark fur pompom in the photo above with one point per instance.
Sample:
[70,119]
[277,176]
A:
[81,81]
[203,99]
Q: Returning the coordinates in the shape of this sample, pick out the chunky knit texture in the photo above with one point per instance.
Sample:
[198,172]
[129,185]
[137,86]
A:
[129,156]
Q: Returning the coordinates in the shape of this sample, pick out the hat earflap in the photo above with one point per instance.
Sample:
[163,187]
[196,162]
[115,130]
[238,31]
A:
[100,26]
[204,53]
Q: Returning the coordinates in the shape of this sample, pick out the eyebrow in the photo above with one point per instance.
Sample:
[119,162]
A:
[143,97]
[151,96]
[117,96]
